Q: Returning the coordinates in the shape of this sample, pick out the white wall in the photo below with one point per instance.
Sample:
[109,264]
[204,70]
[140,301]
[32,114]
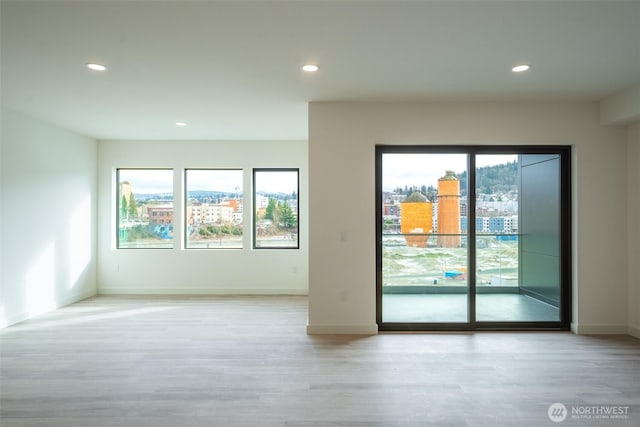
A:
[621,108]
[342,137]
[633,215]
[48,255]
[180,271]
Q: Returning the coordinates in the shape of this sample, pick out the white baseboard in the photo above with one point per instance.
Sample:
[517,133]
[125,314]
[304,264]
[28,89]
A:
[582,329]
[199,291]
[342,329]
[634,331]
[77,297]
[25,315]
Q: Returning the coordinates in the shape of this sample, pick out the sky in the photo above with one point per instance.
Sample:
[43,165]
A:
[425,169]
[228,181]
[153,181]
[148,181]
[277,182]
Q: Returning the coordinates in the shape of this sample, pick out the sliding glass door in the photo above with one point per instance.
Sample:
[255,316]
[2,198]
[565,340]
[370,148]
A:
[424,251]
[472,237]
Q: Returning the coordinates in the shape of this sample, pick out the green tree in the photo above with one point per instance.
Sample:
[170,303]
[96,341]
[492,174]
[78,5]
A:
[271,207]
[123,208]
[277,213]
[287,218]
[133,206]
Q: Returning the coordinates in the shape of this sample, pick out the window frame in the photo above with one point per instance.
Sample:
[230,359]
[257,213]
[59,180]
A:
[565,240]
[254,214]
[119,198]
[186,201]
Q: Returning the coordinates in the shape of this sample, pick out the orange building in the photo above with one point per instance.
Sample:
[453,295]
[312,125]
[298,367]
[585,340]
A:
[234,203]
[449,210]
[416,218]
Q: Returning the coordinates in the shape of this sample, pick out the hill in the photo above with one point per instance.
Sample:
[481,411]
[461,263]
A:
[493,179]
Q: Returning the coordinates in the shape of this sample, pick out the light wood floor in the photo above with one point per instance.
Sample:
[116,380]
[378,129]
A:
[247,361]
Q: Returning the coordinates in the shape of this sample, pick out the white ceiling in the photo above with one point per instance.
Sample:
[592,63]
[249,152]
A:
[231,70]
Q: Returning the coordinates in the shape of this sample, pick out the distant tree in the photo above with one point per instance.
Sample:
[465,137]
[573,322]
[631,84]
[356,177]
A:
[123,208]
[492,179]
[271,207]
[431,193]
[133,207]
[287,218]
[277,213]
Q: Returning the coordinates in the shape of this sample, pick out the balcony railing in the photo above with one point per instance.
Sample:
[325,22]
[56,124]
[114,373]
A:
[425,261]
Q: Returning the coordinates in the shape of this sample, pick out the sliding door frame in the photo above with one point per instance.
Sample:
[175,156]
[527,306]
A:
[565,246]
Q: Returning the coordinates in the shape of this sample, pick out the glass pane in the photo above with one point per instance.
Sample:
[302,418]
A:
[214,208]
[145,208]
[517,241]
[424,250]
[276,208]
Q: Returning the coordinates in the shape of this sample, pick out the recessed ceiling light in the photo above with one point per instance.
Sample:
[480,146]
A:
[96,67]
[521,68]
[181,124]
[310,68]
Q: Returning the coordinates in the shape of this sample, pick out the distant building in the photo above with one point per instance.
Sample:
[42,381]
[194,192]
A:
[449,211]
[226,212]
[482,224]
[511,224]
[463,206]
[126,189]
[160,214]
[415,220]
[235,204]
[216,214]
[194,213]
[434,216]
[261,202]
[496,224]
[389,209]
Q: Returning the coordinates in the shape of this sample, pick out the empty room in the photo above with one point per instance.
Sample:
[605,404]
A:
[319,213]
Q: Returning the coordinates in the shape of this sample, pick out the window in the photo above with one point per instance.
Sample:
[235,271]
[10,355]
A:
[214,207]
[143,196]
[436,271]
[275,200]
